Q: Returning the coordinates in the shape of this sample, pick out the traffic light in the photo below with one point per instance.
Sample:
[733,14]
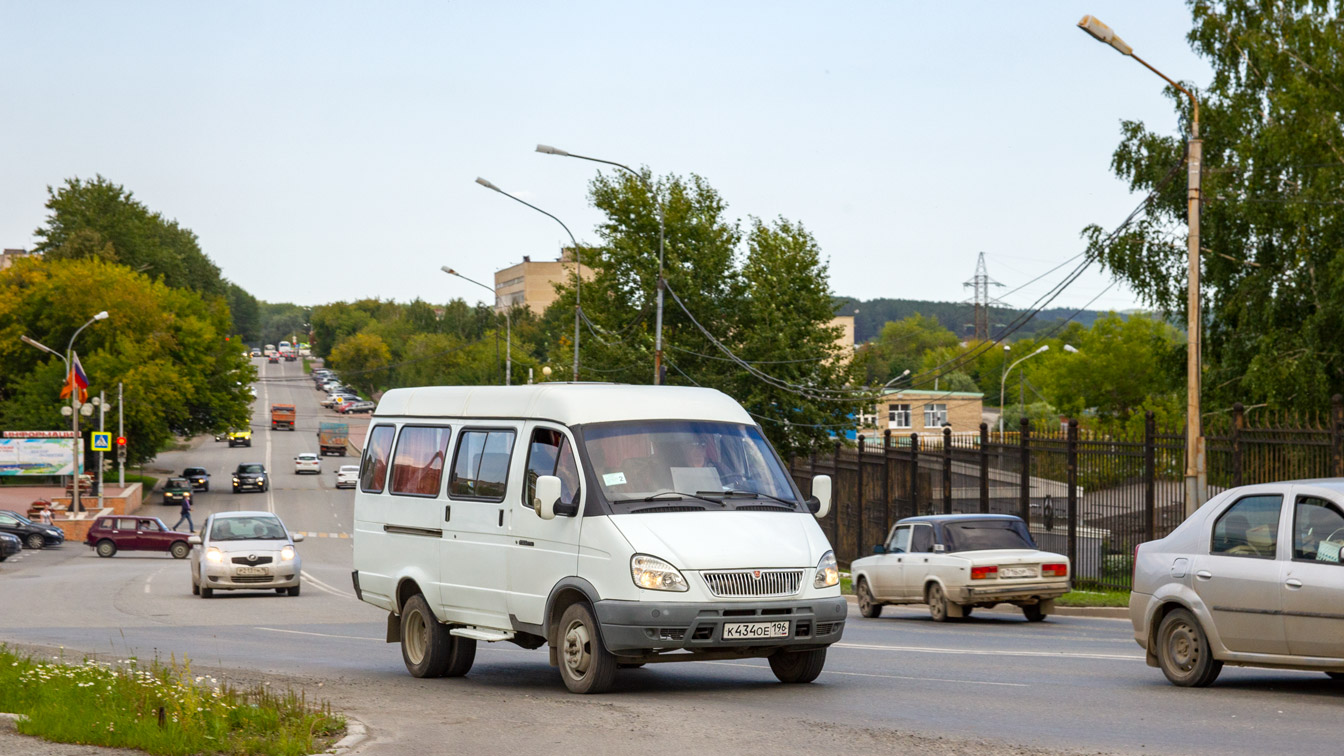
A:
[121,447]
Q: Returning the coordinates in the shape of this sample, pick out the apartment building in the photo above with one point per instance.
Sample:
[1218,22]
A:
[923,412]
[532,283]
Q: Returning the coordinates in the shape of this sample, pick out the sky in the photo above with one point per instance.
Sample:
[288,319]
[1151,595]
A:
[327,151]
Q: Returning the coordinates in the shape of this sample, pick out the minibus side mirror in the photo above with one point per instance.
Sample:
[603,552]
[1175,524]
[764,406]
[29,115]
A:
[820,501]
[547,494]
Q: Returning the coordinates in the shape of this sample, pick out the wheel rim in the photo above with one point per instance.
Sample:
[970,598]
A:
[937,607]
[417,637]
[34,541]
[105,549]
[865,599]
[578,649]
[1183,647]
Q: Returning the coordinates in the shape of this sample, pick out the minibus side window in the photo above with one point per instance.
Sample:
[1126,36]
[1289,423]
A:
[481,464]
[373,473]
[417,468]
[550,453]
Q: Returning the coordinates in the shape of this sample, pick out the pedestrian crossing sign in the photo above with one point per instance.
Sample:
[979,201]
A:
[102,441]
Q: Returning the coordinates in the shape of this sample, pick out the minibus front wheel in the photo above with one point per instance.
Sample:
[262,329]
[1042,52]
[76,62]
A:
[797,666]
[585,663]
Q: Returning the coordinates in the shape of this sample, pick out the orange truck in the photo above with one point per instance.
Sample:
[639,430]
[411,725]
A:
[282,416]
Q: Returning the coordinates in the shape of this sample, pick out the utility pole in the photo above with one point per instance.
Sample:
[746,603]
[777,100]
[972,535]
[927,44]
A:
[981,301]
[102,417]
[121,432]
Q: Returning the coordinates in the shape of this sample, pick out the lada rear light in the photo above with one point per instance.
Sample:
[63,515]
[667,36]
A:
[984,573]
[1054,570]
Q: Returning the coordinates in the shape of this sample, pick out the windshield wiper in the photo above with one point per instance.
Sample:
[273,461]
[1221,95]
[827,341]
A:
[657,496]
[741,492]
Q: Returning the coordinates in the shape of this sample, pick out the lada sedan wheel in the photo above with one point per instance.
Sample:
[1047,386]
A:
[179,550]
[868,606]
[937,601]
[1183,651]
[426,646]
[585,664]
[106,548]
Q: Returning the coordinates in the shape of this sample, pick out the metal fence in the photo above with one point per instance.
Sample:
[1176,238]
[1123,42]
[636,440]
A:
[1093,498]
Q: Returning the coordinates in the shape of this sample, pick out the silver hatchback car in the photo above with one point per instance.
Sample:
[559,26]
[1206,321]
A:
[1252,579]
[245,551]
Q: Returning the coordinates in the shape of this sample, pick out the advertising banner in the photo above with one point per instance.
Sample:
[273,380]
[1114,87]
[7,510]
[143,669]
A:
[36,456]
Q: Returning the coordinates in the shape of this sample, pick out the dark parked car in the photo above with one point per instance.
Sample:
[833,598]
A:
[199,478]
[9,546]
[34,535]
[127,533]
[250,475]
[176,490]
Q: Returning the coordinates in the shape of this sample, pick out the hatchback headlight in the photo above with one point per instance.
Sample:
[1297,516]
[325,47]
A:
[828,572]
[287,553]
[213,554]
[655,574]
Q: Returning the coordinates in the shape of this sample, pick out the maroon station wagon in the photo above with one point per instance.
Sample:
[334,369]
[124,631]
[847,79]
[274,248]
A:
[114,533]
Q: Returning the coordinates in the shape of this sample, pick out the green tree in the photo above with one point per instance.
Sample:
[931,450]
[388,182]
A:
[360,359]
[1121,364]
[901,345]
[1271,223]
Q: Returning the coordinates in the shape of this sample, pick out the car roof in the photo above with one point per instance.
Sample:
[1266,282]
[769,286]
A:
[939,518]
[568,403]
[241,464]
[243,513]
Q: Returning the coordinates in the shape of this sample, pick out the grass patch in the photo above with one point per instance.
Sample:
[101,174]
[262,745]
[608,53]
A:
[846,584]
[161,709]
[148,481]
[307,365]
[1094,598]
[173,443]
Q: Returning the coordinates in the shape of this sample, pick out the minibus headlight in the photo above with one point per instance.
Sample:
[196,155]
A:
[828,572]
[655,574]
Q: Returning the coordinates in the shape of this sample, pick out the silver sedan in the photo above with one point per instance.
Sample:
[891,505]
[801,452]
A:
[245,551]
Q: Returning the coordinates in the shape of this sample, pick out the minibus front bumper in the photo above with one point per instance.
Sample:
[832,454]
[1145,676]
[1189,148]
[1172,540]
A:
[629,626]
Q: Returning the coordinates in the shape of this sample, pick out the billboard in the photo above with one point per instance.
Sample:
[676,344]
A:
[36,456]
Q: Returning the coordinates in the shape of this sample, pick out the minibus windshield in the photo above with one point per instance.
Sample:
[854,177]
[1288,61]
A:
[706,465]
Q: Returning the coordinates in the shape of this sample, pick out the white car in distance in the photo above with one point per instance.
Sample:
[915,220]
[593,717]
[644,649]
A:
[347,476]
[307,462]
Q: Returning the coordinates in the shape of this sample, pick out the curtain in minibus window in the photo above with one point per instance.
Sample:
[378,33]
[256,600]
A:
[417,467]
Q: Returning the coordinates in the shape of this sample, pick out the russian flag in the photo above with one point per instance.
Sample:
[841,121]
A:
[76,378]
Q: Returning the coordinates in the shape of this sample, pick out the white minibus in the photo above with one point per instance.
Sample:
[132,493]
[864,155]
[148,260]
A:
[614,525]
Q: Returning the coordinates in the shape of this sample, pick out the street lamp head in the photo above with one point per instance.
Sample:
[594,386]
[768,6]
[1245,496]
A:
[1044,348]
[1007,347]
[447,270]
[488,185]
[101,316]
[1071,348]
[549,150]
[1103,33]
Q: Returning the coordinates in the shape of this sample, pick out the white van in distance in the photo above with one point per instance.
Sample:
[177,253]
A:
[616,525]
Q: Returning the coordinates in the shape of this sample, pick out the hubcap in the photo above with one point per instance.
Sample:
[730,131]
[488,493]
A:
[936,601]
[577,654]
[417,637]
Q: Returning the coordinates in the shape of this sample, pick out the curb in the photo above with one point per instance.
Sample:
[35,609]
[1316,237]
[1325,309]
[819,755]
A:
[355,733]
[1100,612]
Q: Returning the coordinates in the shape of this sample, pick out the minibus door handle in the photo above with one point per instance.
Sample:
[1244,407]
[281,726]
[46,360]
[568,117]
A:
[501,518]
[525,543]
[447,512]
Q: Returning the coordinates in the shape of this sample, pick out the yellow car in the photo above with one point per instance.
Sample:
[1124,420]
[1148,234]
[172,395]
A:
[240,437]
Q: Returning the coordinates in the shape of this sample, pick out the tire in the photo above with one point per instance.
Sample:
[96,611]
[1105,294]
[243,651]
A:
[195,589]
[868,605]
[235,488]
[206,488]
[937,601]
[105,548]
[797,666]
[585,664]
[1033,613]
[966,610]
[35,541]
[206,592]
[632,665]
[426,646]
[179,549]
[1183,651]
[282,591]
[293,590]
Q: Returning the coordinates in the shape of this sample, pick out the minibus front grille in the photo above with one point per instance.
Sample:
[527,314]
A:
[753,583]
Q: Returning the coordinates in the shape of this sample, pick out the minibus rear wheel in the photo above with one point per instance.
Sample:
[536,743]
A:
[797,666]
[426,646]
[585,664]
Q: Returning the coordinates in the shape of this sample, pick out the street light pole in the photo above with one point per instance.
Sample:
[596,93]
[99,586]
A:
[1003,382]
[1196,474]
[662,284]
[578,265]
[508,323]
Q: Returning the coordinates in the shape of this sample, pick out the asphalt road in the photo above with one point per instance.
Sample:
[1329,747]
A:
[901,683]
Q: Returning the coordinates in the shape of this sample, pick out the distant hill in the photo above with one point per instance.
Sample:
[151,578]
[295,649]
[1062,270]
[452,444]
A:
[955,316]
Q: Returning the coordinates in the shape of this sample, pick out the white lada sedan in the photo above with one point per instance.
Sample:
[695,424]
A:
[245,551]
[955,563]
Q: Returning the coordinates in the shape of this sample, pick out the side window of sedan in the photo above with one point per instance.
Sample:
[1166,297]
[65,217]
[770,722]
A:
[1248,528]
[921,539]
[1318,530]
[900,541]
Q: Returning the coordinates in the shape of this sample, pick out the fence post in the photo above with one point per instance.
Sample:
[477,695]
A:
[1072,479]
[1149,476]
[1239,422]
[835,495]
[1337,435]
[947,469]
[914,474]
[886,483]
[860,535]
[1024,492]
[984,468]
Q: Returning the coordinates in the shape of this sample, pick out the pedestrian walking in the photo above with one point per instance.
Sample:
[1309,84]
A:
[186,514]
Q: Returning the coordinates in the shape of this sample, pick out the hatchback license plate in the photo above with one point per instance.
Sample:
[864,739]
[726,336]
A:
[753,630]
[252,571]
[1017,572]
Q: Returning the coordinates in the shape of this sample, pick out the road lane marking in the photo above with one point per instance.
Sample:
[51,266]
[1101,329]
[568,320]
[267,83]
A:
[887,677]
[325,587]
[988,652]
[317,635]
